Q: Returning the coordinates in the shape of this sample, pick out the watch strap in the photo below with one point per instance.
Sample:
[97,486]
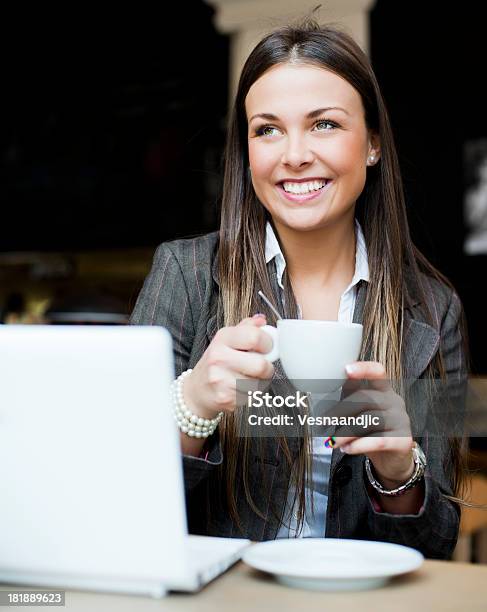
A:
[415,478]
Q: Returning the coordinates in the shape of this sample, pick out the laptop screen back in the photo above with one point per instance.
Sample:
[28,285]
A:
[90,467]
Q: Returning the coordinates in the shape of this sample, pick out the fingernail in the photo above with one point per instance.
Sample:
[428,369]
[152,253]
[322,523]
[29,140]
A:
[330,442]
[345,448]
[259,314]
[350,368]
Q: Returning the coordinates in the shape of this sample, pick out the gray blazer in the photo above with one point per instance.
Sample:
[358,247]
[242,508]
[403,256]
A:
[180,294]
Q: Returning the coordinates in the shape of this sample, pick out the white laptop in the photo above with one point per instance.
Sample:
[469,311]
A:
[91,479]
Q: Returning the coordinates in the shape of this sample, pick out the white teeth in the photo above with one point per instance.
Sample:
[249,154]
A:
[301,188]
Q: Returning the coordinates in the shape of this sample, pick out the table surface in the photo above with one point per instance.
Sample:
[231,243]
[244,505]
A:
[437,585]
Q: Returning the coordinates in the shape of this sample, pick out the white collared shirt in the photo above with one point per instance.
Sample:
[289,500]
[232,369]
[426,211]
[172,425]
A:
[347,300]
[314,525]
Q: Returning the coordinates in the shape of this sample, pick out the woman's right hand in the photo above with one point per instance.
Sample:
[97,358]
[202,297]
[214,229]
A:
[211,386]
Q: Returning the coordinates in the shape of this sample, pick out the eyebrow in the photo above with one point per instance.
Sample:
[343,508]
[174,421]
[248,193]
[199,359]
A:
[311,115]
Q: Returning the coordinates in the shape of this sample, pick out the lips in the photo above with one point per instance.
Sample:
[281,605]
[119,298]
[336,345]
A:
[304,180]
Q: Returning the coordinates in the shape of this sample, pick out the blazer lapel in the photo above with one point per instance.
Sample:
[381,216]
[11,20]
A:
[211,325]
[421,341]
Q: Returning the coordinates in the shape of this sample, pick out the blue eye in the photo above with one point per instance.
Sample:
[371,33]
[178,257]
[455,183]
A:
[332,123]
[260,131]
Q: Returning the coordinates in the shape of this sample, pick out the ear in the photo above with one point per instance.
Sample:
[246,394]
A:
[373,153]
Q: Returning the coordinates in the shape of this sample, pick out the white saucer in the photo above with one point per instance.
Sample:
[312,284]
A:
[328,564]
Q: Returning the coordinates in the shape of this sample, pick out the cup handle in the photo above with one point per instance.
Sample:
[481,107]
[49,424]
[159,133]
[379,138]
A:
[273,354]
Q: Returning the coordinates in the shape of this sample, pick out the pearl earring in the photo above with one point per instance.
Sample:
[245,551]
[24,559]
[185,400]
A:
[371,159]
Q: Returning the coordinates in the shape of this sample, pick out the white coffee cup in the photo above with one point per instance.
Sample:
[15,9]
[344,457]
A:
[314,353]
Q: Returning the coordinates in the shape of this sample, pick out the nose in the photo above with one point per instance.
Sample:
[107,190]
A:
[297,151]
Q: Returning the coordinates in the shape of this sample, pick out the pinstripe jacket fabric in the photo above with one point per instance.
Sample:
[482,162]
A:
[180,293]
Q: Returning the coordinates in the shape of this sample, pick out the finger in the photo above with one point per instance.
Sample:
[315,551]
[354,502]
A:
[227,389]
[250,365]
[241,364]
[370,444]
[372,371]
[351,385]
[257,319]
[373,414]
[341,441]
[368,423]
[353,405]
[245,388]
[247,337]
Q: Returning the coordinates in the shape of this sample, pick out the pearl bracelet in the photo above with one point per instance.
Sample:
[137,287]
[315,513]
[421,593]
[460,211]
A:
[189,423]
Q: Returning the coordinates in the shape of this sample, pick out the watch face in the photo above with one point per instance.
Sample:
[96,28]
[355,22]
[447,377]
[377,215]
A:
[421,455]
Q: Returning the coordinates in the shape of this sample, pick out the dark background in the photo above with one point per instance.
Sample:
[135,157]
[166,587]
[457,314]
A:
[428,58]
[112,128]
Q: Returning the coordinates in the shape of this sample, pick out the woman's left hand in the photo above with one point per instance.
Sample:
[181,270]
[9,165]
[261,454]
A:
[389,446]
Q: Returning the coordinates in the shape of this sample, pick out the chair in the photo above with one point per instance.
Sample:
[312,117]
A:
[472,540]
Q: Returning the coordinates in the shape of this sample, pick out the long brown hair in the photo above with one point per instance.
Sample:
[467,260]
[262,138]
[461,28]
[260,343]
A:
[380,210]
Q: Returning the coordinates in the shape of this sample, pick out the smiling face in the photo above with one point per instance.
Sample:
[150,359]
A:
[323,154]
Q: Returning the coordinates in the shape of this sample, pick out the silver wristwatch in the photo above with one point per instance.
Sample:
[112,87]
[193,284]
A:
[420,466]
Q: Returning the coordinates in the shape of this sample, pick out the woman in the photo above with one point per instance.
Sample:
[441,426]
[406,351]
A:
[313,214]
